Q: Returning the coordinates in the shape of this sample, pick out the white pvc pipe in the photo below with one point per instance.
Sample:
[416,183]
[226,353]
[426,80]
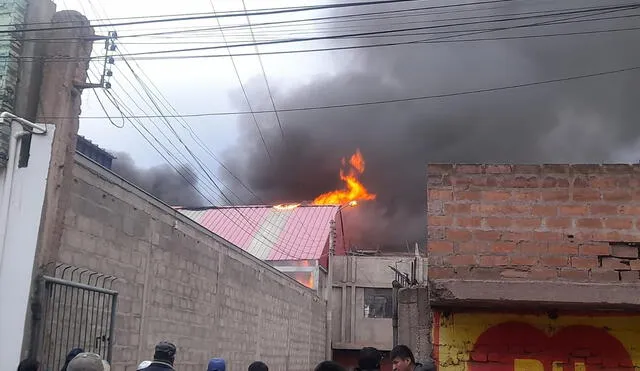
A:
[12,157]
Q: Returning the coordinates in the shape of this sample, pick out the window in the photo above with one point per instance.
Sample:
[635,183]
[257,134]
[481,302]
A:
[378,303]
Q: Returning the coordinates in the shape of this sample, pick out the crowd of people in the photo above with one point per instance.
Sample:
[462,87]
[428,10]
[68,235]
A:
[370,359]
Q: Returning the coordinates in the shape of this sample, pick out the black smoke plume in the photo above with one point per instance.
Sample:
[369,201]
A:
[582,120]
[162,181]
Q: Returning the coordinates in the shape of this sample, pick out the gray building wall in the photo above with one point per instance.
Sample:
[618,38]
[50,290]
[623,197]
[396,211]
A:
[352,276]
[179,282]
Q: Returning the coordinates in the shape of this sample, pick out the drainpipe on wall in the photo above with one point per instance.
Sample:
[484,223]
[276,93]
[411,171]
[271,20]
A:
[329,325]
[396,288]
[6,119]
[21,202]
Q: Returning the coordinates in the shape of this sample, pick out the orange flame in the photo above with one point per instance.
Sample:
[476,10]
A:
[355,191]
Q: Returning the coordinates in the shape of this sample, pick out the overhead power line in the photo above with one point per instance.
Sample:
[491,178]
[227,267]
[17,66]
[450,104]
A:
[438,40]
[244,91]
[415,12]
[387,101]
[255,25]
[19,27]
[264,73]
[156,101]
[371,33]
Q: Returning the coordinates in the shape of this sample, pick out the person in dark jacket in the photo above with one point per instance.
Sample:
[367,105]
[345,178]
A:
[29,364]
[163,357]
[369,359]
[258,366]
[71,355]
[402,359]
[216,364]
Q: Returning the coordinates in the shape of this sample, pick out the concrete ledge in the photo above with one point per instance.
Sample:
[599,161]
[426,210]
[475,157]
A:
[358,346]
[477,293]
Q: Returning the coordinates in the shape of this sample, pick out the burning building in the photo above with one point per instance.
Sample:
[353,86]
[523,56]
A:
[294,238]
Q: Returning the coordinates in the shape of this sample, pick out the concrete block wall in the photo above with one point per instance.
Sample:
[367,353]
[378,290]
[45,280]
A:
[177,281]
[578,223]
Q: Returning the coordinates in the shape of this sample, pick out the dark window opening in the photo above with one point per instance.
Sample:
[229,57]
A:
[377,303]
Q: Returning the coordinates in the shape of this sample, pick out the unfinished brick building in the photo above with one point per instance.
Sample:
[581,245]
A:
[532,267]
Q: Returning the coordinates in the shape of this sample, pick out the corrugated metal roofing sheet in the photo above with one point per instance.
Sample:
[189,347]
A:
[270,233]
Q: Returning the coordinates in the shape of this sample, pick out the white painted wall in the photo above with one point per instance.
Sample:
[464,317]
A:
[22,195]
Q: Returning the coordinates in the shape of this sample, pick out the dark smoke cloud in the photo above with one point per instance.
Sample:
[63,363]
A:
[588,120]
[162,181]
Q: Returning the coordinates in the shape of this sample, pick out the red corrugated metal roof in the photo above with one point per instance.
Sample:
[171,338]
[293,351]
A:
[270,233]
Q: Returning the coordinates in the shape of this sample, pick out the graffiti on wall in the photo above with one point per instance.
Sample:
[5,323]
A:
[516,342]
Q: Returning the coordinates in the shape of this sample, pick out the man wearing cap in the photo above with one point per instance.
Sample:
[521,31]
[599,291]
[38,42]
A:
[86,362]
[163,357]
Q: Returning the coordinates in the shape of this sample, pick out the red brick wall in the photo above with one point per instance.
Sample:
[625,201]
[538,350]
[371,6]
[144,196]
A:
[534,222]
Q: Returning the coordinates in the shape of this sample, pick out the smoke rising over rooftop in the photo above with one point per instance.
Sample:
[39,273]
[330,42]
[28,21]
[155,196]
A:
[163,181]
[586,120]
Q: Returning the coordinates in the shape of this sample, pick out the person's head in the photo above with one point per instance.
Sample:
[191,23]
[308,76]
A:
[143,365]
[216,364]
[369,359]
[86,362]
[329,366]
[258,366]
[29,365]
[402,358]
[165,352]
[71,355]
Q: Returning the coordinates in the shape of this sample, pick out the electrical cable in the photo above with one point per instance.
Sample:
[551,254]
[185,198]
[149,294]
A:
[359,34]
[389,101]
[207,172]
[151,96]
[141,55]
[268,243]
[228,15]
[244,91]
[264,73]
[256,25]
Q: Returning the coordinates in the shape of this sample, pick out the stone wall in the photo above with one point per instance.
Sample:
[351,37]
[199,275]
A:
[179,282]
[578,223]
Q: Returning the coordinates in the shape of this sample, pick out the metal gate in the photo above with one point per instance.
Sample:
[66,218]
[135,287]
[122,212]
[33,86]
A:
[78,309]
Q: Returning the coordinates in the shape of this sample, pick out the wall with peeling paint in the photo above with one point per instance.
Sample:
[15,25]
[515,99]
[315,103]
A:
[536,342]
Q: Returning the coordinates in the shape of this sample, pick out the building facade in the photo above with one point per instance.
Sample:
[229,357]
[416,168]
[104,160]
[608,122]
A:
[530,267]
[363,302]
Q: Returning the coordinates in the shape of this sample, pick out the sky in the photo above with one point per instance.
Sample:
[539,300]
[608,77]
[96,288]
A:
[561,77]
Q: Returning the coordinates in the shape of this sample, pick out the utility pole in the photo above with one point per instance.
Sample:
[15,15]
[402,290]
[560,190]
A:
[332,251]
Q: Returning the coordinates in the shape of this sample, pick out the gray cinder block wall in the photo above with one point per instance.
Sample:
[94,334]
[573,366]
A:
[179,282]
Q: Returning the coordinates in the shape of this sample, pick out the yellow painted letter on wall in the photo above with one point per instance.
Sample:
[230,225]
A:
[527,365]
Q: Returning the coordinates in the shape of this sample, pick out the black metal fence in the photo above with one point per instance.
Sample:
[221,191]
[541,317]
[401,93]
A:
[78,311]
